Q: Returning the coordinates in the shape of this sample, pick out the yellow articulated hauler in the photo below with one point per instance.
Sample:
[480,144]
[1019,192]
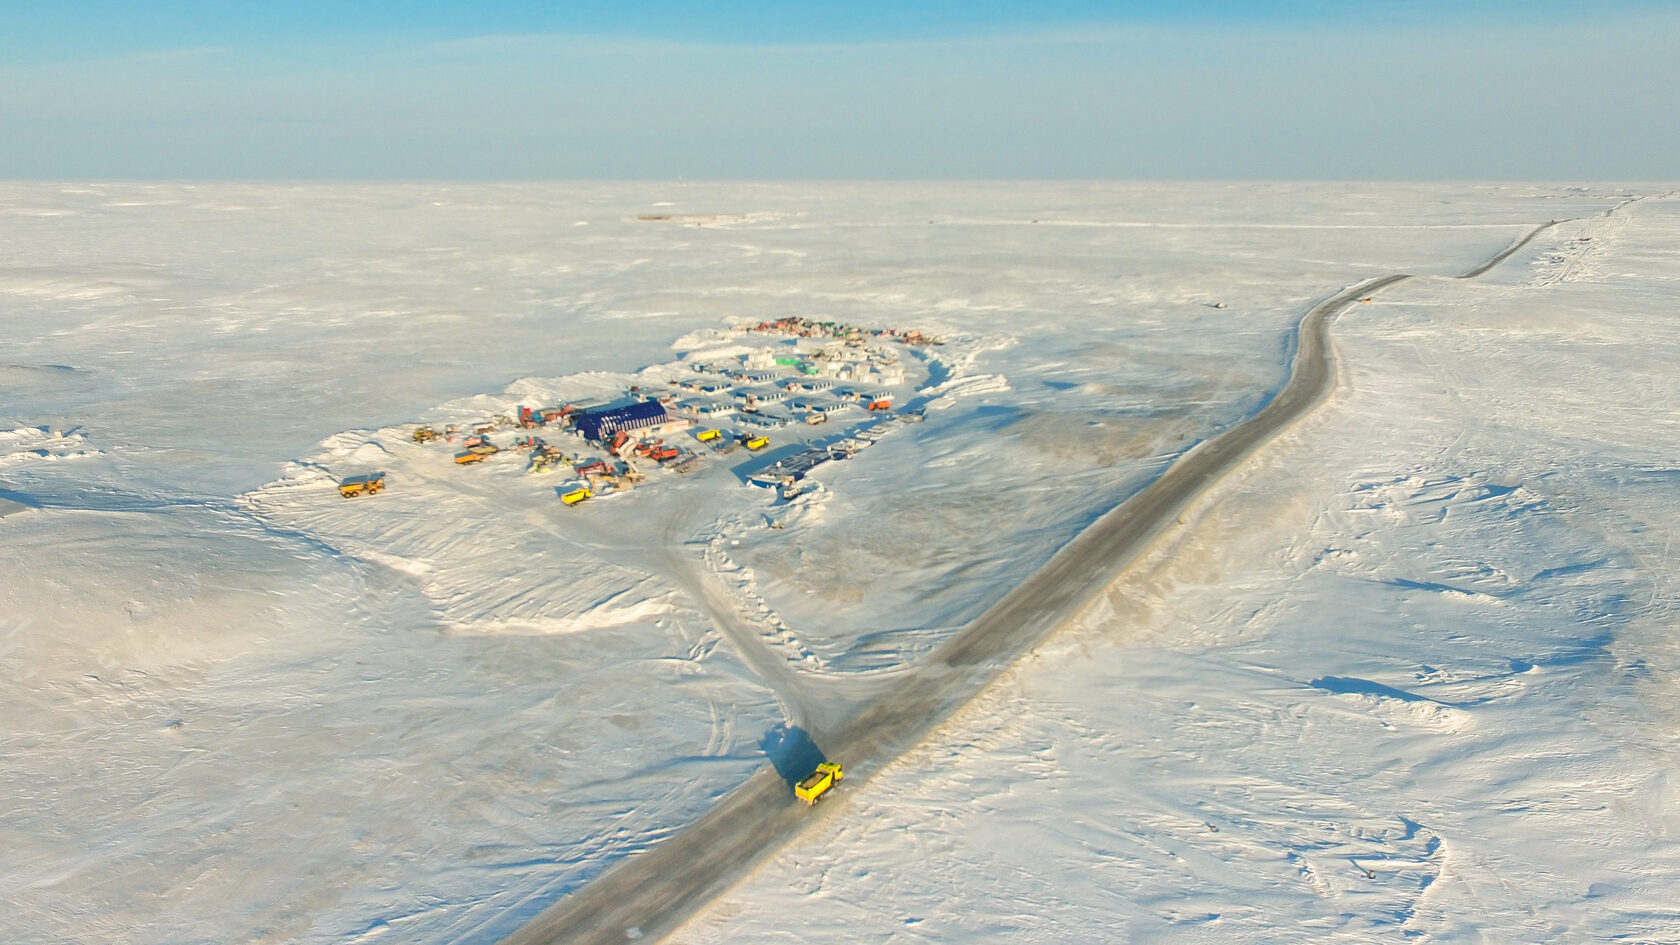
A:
[370,484]
[818,783]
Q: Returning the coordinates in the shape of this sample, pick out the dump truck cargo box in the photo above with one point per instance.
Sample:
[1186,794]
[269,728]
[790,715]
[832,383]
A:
[818,783]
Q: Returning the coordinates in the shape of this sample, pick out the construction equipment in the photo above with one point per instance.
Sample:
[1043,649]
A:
[664,454]
[707,436]
[756,443]
[467,457]
[368,484]
[818,783]
[576,495]
[425,435]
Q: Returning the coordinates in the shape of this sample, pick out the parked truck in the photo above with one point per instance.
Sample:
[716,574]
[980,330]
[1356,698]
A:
[818,783]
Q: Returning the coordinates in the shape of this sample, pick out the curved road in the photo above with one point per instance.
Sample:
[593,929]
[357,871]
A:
[648,895]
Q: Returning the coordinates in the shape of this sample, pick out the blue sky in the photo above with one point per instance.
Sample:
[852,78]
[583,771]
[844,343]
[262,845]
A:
[1224,90]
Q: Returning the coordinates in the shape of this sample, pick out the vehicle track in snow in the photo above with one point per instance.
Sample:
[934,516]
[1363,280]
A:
[649,895]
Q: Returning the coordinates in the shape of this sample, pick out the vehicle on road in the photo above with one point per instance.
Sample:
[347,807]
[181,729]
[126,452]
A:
[818,783]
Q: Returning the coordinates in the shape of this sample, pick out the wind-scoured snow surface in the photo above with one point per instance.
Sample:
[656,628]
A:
[1412,670]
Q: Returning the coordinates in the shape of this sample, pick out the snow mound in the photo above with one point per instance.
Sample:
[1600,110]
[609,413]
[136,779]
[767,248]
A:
[42,444]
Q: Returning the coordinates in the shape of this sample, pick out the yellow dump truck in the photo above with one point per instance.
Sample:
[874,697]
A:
[707,436]
[757,443]
[369,484]
[425,435]
[575,496]
[818,783]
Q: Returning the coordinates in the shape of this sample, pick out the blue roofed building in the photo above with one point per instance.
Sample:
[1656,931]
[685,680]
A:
[600,424]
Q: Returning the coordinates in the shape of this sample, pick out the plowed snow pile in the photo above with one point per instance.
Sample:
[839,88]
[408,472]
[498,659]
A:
[1411,671]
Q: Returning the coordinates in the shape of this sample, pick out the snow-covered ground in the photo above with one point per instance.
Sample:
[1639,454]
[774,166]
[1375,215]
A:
[1412,668]
[1413,674]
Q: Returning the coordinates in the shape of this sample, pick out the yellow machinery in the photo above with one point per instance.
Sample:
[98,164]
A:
[370,484]
[425,435]
[818,783]
[575,496]
[469,457]
[707,436]
[757,443]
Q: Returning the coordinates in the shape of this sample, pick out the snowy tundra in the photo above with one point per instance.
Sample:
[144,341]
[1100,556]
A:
[1410,671]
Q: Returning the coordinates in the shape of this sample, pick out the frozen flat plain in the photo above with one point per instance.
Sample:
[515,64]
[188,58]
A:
[1412,668]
